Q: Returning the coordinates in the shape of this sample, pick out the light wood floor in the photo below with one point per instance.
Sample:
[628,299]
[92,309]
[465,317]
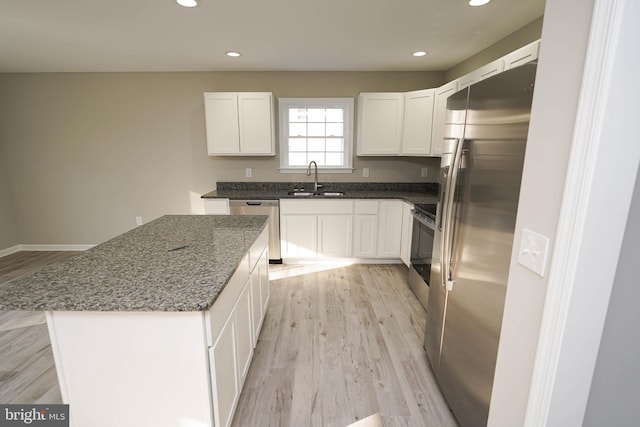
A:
[27,371]
[339,345]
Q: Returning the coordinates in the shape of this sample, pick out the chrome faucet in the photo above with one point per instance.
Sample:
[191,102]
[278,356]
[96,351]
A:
[315,181]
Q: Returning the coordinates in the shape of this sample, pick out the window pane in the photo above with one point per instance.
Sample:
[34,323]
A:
[297,144]
[315,115]
[297,129]
[316,144]
[334,129]
[297,159]
[334,159]
[297,114]
[318,157]
[334,115]
[335,144]
[316,129]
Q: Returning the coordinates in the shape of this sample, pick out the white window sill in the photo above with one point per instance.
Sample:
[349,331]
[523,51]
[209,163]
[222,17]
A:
[320,170]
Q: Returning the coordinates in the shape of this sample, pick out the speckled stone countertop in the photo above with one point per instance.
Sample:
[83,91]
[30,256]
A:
[139,271]
[411,192]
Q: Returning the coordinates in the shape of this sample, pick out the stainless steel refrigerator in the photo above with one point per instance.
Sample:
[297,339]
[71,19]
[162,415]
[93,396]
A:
[480,177]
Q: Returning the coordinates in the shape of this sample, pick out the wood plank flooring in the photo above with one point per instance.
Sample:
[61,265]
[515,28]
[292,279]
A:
[339,345]
[27,370]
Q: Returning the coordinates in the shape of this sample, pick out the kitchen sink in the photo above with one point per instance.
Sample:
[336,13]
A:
[300,193]
[319,194]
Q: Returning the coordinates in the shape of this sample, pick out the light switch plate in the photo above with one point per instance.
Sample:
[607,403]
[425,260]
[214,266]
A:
[248,173]
[424,172]
[534,248]
[365,172]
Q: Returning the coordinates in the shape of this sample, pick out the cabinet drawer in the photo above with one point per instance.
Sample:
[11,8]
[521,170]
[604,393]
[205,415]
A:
[315,207]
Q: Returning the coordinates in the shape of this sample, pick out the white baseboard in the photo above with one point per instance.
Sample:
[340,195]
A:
[18,248]
[9,251]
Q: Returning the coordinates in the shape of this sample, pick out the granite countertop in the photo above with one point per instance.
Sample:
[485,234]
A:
[139,271]
[411,192]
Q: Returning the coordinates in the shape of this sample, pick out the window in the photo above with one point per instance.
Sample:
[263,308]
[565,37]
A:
[318,129]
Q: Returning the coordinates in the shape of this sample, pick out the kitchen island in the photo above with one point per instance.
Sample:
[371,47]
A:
[156,326]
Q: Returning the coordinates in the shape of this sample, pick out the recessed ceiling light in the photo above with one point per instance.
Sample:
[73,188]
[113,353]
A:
[233,54]
[478,2]
[187,3]
[419,53]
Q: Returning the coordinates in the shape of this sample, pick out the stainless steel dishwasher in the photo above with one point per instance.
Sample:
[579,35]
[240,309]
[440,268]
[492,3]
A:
[263,207]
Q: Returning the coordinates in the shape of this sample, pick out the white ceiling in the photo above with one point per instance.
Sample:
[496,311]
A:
[159,35]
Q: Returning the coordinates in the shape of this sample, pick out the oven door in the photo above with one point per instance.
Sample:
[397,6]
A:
[421,255]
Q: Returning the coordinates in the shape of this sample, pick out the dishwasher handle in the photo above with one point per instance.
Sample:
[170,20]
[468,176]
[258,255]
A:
[260,203]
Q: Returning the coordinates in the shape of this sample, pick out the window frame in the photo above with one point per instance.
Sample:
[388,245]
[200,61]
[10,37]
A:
[347,104]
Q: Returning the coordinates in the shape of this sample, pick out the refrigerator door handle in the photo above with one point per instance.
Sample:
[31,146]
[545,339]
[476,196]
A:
[447,237]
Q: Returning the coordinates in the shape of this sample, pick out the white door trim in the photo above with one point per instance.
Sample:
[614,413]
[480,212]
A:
[598,190]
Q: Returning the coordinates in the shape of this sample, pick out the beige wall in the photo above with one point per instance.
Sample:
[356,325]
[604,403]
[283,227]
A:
[85,153]
[517,39]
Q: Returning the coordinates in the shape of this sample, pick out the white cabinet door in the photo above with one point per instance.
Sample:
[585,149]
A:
[491,69]
[221,122]
[216,206]
[390,228]
[467,80]
[439,114]
[298,234]
[239,123]
[256,303]
[407,229]
[255,114]
[418,118]
[521,56]
[265,289]
[365,236]
[244,332]
[224,377]
[334,235]
[259,294]
[380,121]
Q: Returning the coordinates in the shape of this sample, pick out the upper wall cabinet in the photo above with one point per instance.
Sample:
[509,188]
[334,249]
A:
[239,123]
[418,110]
[511,60]
[380,121]
[521,56]
[486,71]
[439,111]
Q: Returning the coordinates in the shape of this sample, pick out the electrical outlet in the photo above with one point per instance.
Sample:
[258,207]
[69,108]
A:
[365,172]
[138,220]
[533,251]
[248,173]
[424,172]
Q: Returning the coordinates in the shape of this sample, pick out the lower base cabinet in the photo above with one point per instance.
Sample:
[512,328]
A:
[334,236]
[233,345]
[345,228]
[223,375]
[365,236]
[299,236]
[161,368]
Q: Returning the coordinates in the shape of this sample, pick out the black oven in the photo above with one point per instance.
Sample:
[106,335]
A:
[424,224]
